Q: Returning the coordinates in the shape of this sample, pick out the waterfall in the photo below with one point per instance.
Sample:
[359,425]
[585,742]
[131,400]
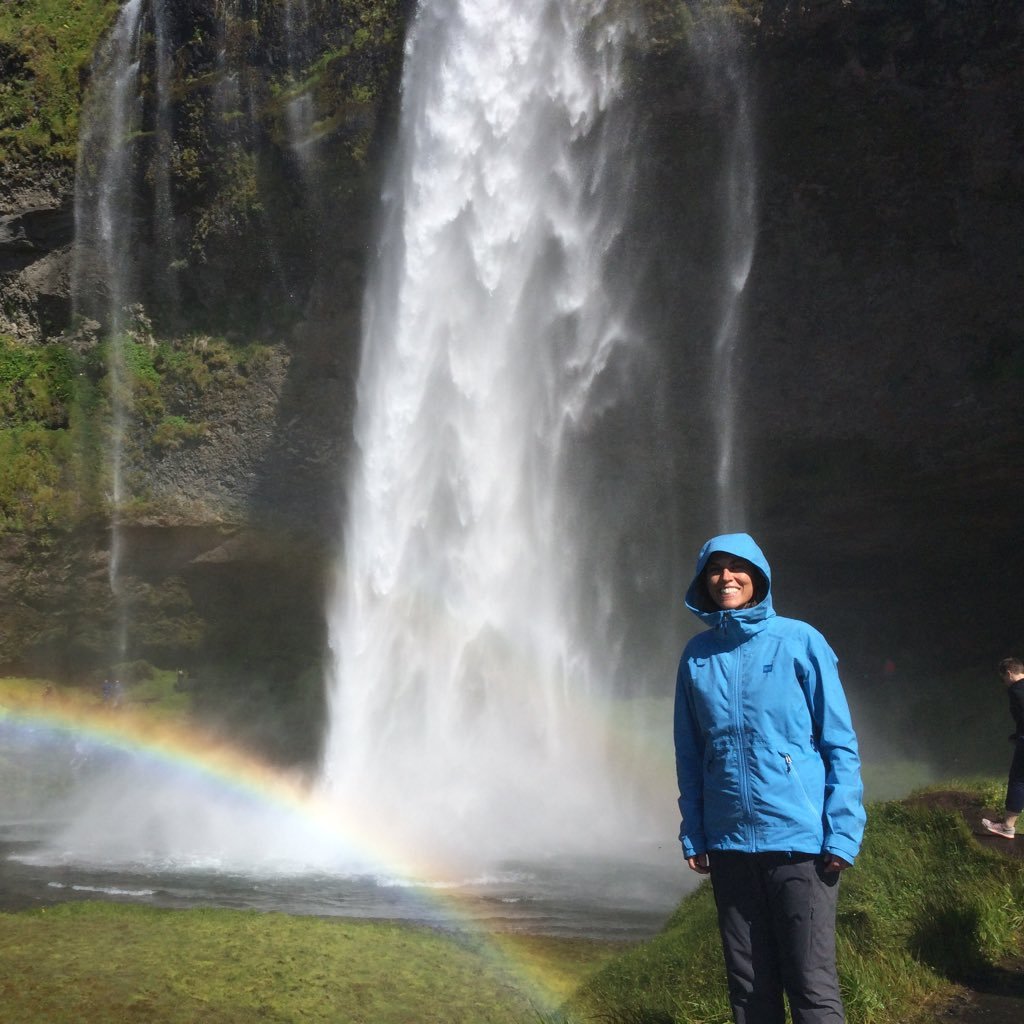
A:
[739,234]
[164,241]
[300,112]
[102,268]
[473,639]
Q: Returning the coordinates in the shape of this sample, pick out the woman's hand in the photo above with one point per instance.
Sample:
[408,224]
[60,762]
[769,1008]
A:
[832,863]
[699,864]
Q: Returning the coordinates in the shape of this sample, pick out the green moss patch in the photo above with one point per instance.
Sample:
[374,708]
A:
[36,384]
[45,50]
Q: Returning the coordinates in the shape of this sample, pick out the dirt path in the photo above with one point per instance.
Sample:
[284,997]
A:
[995,1000]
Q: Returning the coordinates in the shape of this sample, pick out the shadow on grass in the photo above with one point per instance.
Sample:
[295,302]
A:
[948,941]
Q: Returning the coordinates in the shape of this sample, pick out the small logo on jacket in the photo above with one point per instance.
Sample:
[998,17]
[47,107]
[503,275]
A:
[767,668]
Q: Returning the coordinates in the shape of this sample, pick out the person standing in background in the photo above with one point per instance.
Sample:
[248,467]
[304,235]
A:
[769,786]
[1012,672]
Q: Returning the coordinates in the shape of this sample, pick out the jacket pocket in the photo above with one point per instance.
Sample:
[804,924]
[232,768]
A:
[723,803]
[799,792]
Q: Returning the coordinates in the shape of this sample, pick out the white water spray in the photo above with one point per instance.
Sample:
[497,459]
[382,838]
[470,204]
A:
[473,658]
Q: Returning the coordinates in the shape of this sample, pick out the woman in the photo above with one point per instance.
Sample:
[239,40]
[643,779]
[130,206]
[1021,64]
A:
[769,784]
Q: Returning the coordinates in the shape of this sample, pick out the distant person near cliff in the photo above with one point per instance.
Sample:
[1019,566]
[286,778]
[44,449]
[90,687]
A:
[1012,672]
[769,784]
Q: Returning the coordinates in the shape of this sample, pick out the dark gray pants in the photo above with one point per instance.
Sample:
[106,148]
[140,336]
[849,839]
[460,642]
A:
[777,916]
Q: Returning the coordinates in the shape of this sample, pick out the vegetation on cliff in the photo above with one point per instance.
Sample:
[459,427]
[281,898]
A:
[46,47]
[40,477]
[56,404]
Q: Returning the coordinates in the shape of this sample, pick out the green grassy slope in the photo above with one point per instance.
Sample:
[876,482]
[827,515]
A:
[926,907]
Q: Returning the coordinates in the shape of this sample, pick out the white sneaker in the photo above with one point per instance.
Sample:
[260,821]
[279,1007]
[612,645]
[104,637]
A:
[999,828]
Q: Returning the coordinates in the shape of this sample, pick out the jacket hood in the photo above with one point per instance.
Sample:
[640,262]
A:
[743,546]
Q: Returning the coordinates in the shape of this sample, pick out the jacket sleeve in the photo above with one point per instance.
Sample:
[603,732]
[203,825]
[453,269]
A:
[843,817]
[689,744]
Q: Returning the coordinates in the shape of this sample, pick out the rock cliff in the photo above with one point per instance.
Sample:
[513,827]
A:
[878,369]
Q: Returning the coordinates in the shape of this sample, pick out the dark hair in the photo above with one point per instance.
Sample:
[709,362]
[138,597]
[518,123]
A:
[1008,665]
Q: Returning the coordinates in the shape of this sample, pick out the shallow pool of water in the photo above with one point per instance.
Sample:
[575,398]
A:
[613,898]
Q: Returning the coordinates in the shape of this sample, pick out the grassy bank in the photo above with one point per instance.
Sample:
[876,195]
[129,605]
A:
[93,963]
[926,908]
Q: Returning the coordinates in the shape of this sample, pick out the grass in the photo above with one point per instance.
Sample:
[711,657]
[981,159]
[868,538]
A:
[92,963]
[925,908]
[152,696]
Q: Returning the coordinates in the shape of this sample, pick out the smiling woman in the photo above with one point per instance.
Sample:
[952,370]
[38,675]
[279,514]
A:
[769,784]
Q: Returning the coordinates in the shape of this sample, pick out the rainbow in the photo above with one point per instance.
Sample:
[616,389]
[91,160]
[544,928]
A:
[216,761]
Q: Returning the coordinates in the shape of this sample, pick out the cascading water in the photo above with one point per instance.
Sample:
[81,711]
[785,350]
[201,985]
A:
[299,109]
[739,232]
[472,668]
[163,211]
[102,270]
[475,624]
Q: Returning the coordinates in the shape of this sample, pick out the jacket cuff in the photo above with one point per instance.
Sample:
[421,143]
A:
[693,846]
[838,848]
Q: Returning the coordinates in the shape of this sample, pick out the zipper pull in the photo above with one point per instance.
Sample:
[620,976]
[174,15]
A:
[789,763]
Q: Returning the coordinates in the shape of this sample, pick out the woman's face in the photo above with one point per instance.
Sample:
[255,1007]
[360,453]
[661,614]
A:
[730,580]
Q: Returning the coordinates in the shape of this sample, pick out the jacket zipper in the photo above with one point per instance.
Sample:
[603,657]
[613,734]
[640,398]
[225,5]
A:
[737,702]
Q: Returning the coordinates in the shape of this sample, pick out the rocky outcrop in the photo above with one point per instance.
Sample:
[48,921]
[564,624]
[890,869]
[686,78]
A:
[253,163]
[35,243]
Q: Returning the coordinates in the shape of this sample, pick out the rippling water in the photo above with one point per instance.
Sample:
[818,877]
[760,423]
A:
[595,897]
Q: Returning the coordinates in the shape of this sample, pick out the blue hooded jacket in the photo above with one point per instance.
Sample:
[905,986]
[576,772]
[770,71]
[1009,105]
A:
[766,755]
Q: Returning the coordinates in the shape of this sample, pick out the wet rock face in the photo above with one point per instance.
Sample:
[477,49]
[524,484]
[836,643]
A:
[880,368]
[35,243]
[887,330]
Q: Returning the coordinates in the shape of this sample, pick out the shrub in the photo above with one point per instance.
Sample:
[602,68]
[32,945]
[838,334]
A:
[36,384]
[174,431]
[46,48]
